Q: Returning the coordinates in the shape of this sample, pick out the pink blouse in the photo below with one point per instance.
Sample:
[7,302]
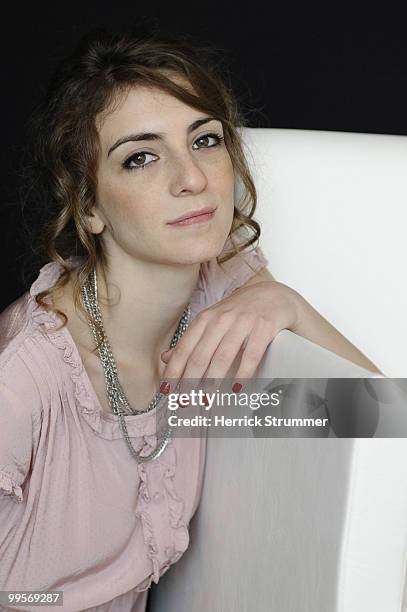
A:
[78,514]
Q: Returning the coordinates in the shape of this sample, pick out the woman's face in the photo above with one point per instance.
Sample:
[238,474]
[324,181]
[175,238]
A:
[156,165]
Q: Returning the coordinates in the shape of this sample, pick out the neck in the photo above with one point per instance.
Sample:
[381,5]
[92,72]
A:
[142,304]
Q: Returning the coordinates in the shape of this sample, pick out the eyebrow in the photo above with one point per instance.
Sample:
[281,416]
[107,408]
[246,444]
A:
[157,136]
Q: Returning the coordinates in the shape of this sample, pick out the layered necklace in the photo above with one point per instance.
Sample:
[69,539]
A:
[118,401]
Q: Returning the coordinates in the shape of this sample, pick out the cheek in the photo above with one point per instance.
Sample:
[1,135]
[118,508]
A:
[121,202]
[226,178]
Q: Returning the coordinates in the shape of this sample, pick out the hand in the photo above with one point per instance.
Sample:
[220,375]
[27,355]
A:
[250,317]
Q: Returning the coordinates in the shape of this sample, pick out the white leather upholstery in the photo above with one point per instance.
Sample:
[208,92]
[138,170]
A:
[313,525]
[333,212]
[294,525]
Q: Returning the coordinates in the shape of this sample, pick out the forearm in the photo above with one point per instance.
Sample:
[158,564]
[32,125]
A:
[313,326]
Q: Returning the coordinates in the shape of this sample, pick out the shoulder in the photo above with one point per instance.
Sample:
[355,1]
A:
[18,353]
[14,323]
[218,280]
[24,322]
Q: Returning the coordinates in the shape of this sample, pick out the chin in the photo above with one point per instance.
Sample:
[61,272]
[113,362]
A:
[197,254]
[208,250]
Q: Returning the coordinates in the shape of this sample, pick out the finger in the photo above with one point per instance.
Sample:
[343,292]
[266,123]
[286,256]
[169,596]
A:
[165,355]
[176,363]
[227,350]
[257,343]
[200,357]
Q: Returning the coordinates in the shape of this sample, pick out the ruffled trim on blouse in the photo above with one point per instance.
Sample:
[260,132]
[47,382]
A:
[176,506]
[161,560]
[9,487]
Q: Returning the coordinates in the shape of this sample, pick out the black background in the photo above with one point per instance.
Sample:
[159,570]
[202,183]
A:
[289,70]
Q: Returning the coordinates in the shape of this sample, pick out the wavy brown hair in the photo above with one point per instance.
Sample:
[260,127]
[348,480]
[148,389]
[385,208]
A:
[66,145]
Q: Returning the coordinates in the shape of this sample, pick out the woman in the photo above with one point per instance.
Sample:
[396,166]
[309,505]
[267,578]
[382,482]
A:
[134,133]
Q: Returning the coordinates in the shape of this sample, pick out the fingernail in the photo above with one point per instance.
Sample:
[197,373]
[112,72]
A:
[236,387]
[165,387]
[205,400]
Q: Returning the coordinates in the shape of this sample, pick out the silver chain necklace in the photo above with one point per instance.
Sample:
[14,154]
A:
[115,394]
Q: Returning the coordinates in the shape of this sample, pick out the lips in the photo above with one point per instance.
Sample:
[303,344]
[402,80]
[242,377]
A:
[192,213]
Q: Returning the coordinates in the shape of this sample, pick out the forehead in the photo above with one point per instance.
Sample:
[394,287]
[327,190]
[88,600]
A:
[144,108]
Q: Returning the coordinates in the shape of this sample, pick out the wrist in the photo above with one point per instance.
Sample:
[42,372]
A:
[297,307]
[292,306]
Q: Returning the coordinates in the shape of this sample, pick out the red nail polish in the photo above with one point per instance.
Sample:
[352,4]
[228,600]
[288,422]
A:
[236,387]
[165,387]
[205,400]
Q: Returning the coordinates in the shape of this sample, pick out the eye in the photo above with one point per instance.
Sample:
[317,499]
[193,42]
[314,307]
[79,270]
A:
[142,154]
[136,157]
[217,137]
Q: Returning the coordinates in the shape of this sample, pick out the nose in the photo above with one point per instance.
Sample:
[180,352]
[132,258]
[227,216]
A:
[188,176]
